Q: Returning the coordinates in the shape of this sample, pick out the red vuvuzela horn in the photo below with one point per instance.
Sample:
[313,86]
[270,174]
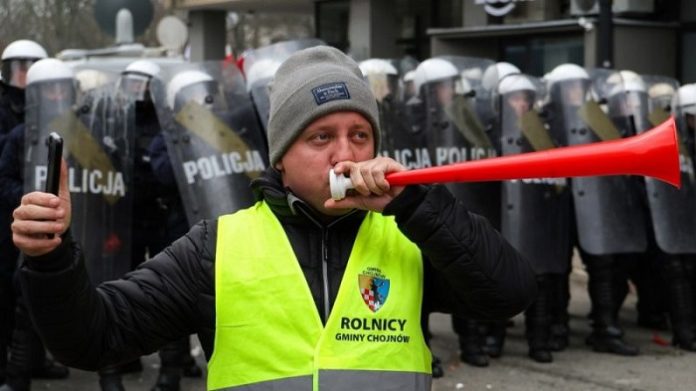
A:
[654,153]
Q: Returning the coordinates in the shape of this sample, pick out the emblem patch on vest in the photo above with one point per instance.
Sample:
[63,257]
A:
[374,288]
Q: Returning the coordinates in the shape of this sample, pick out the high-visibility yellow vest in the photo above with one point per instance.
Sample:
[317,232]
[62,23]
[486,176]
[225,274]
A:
[268,332]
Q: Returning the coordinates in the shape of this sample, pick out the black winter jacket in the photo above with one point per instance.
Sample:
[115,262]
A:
[11,190]
[470,269]
[11,109]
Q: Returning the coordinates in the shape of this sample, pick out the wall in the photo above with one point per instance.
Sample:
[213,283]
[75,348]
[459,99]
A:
[385,29]
[646,50]
[473,14]
[483,47]
[373,29]
[359,29]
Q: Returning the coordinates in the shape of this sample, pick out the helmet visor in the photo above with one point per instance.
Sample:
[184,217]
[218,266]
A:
[134,86]
[14,71]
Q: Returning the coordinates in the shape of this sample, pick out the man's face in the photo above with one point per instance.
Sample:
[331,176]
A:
[134,86]
[19,70]
[519,101]
[634,102]
[574,93]
[331,139]
[445,92]
[56,92]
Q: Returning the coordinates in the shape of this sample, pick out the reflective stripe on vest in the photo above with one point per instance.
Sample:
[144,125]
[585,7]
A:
[269,335]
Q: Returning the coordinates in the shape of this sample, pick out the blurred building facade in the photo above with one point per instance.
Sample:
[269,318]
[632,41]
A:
[648,36]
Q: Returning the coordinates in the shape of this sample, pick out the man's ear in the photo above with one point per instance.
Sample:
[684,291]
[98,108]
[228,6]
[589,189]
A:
[279,166]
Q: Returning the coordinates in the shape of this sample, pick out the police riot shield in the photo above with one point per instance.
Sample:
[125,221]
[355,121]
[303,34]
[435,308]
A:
[260,66]
[213,137]
[609,210]
[535,212]
[97,138]
[455,132]
[673,211]
[382,77]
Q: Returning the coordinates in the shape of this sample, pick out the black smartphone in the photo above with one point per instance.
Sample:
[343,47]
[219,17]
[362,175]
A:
[55,156]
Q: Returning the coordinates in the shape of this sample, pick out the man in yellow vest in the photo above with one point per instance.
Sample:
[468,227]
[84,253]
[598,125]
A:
[298,292]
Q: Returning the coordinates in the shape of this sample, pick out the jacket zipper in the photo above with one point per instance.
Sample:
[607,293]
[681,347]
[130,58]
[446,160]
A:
[325,272]
[325,259]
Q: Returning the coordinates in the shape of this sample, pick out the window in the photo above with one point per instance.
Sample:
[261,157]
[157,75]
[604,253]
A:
[537,56]
[332,18]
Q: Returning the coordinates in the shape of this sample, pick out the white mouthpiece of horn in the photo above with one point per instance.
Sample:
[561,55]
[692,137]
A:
[339,185]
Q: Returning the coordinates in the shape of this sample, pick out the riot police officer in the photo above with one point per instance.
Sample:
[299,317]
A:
[409,89]
[397,139]
[687,107]
[16,59]
[673,216]
[157,208]
[496,72]
[51,90]
[486,103]
[492,75]
[535,212]
[633,101]
[568,86]
[258,77]
[447,104]
[383,79]
[213,139]
[610,212]
[682,275]
[149,237]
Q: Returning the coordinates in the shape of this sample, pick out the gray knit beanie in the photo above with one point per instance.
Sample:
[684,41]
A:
[310,84]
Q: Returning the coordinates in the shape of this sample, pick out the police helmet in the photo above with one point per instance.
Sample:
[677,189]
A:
[434,69]
[182,80]
[51,77]
[382,77]
[377,66]
[135,79]
[566,72]
[659,90]
[661,95]
[631,84]
[496,72]
[623,76]
[515,83]
[49,69]
[687,98]
[142,67]
[24,49]
[18,56]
